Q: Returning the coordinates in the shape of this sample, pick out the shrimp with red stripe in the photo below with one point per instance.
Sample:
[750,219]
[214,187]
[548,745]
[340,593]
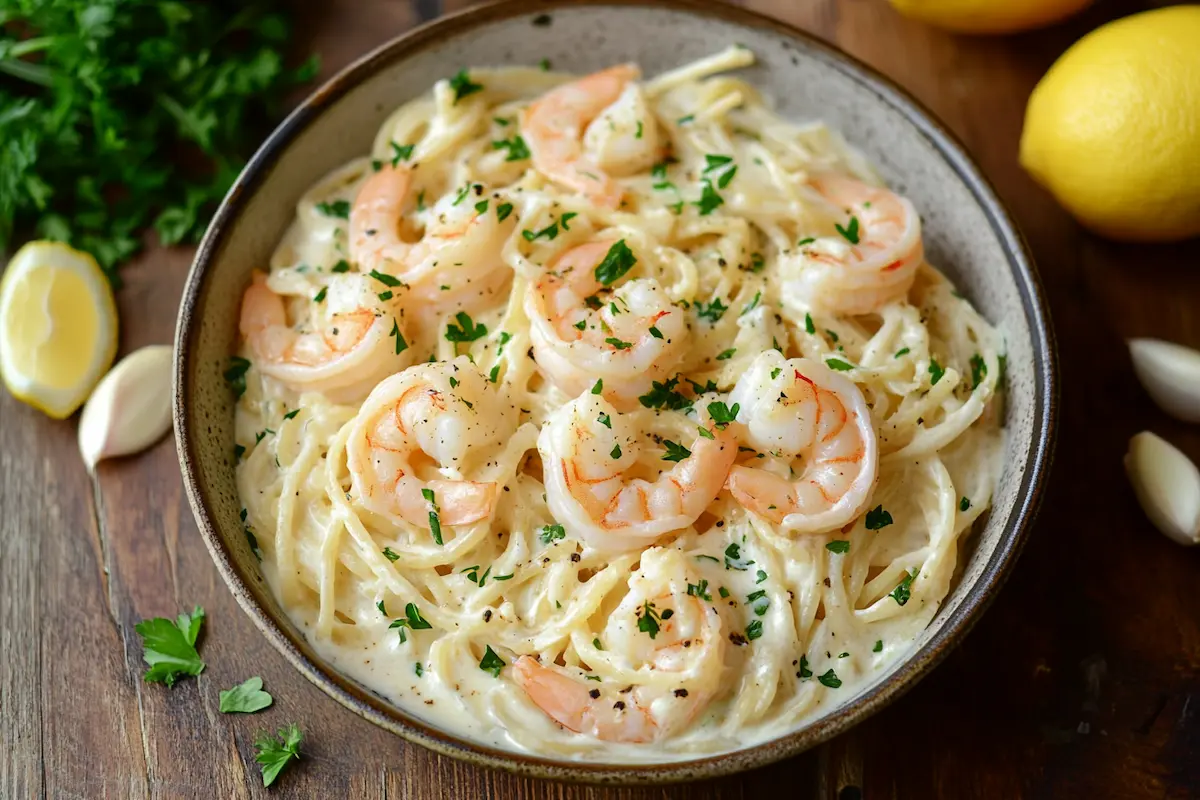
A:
[796,408]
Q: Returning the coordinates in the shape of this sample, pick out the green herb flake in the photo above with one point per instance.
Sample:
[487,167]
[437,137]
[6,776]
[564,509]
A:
[734,560]
[273,754]
[418,669]
[617,343]
[964,504]
[435,523]
[978,371]
[808,324]
[502,211]
[291,414]
[235,375]
[878,648]
[725,355]
[462,86]
[605,420]
[850,232]
[169,646]
[936,371]
[491,662]
[830,679]
[401,153]
[805,671]
[712,312]
[616,263]
[878,518]
[552,533]
[516,147]
[339,209]
[903,591]
[401,344]
[840,546]
[838,364]
[709,200]
[466,330]
[674,451]
[758,602]
[341,266]
[390,554]
[245,698]
[754,630]
[616,451]
[598,387]
[481,207]
[699,590]
[903,351]
[648,619]
[721,590]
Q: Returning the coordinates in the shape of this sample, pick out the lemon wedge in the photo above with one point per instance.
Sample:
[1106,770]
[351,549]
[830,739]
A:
[58,327]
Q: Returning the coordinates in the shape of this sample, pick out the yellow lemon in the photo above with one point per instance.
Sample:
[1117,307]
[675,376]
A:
[1113,129]
[989,16]
[58,327]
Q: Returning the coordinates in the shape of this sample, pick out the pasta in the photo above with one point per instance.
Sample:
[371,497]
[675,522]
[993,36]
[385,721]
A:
[591,414]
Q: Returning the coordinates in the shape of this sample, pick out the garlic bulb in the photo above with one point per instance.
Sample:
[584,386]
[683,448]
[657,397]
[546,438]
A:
[130,408]
[1171,374]
[1167,485]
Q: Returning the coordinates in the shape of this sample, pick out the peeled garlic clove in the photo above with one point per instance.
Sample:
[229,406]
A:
[1167,485]
[130,408]
[1171,374]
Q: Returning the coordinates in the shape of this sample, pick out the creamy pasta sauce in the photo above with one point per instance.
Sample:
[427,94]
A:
[614,418]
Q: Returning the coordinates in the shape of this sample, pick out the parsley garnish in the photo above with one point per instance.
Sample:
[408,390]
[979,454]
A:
[649,618]
[830,679]
[565,218]
[722,414]
[599,386]
[964,504]
[804,241]
[757,262]
[245,698]
[936,370]
[502,211]
[462,86]
[274,754]
[734,560]
[466,330]
[516,147]
[721,164]
[481,207]
[401,153]
[341,266]
[903,351]
[401,344]
[616,451]
[804,672]
[699,590]
[878,518]
[838,364]
[878,648]
[390,554]
[552,533]
[721,590]
[338,208]
[418,668]
[435,523]
[675,452]
[319,297]
[491,662]
[659,173]
[291,414]
[605,420]
[617,343]
[617,262]
[838,546]
[808,324]
[725,355]
[169,646]
[713,311]
[389,281]
[903,591]
[550,232]
[638,134]
[758,602]
[753,304]
[978,370]
[754,630]
[663,396]
[709,199]
[236,375]
[850,232]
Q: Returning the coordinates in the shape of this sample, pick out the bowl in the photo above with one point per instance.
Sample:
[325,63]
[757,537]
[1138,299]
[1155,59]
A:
[968,234]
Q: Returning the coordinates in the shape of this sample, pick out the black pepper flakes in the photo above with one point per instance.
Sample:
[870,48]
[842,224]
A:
[594,694]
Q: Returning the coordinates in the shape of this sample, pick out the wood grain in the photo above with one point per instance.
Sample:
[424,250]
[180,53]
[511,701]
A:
[1082,680]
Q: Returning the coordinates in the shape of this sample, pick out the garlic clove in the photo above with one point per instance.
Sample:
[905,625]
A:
[1171,374]
[1167,485]
[130,408]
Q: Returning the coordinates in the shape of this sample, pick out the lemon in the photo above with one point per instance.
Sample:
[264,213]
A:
[58,327]
[1113,129]
[989,16]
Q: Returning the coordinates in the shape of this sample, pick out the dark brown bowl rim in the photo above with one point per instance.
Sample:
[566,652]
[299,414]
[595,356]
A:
[375,708]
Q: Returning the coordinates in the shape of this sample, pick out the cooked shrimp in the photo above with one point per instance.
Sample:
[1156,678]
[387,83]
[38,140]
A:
[676,655]
[350,341]
[588,448]
[871,263]
[623,140]
[797,408]
[457,260]
[445,410]
[627,339]
[554,124]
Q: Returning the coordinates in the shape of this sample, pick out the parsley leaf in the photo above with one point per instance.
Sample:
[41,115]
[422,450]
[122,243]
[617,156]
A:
[878,648]
[516,147]
[699,590]
[804,672]
[838,364]
[245,698]
[275,754]
[663,395]
[713,311]
[964,504]
[401,153]
[903,591]
[339,209]
[466,330]
[648,619]
[169,646]
[754,630]
[552,533]
[709,200]
[675,452]
[722,414]
[236,376]
[462,86]
[978,370]
[491,662]
[850,232]
[725,355]
[502,211]
[617,262]
[830,679]
[838,546]
[734,560]
[808,324]
[936,371]
[878,518]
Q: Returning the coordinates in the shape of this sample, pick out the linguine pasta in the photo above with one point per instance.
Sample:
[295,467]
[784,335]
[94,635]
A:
[412,517]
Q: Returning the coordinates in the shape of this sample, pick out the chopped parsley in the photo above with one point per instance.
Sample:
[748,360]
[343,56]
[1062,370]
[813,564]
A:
[235,375]
[850,232]
[753,304]
[617,343]
[291,414]
[418,668]
[655,332]
[502,211]
[878,648]
[516,147]
[466,330]
[709,200]
[491,662]
[663,396]
[617,262]
[838,364]
[978,370]
[723,166]
[273,754]
[804,672]
[390,554]
[760,576]
[598,387]
[341,266]
[757,262]
[754,630]
[830,679]
[725,355]
[841,546]
[638,135]
[758,602]
[699,590]
[878,518]
[319,297]
[169,646]
[659,173]
[389,281]
[734,560]
[936,371]
[649,618]
[804,241]
[616,451]
[711,312]
[481,206]
[903,351]
[722,414]
[552,533]
[675,452]
[565,218]
[903,591]
[338,208]
[401,344]
[721,590]
[401,153]
[605,420]
[964,504]
[808,324]
[435,523]
[462,86]
[550,232]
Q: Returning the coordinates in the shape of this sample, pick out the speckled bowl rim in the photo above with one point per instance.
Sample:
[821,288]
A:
[375,709]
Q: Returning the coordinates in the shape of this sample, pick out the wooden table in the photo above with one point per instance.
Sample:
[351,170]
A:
[1082,679]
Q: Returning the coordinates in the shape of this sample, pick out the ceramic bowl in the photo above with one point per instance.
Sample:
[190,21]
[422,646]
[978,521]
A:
[968,234]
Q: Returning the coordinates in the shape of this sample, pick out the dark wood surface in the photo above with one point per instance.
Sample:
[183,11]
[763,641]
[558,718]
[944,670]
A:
[1083,680]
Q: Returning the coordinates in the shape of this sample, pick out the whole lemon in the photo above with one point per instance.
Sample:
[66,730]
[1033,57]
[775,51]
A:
[989,16]
[1113,129]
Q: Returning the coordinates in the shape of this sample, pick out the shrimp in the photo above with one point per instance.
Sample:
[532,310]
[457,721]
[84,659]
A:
[800,407]
[626,340]
[672,639]
[554,124]
[624,139]
[871,263]
[587,448]
[454,264]
[350,342]
[445,410]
